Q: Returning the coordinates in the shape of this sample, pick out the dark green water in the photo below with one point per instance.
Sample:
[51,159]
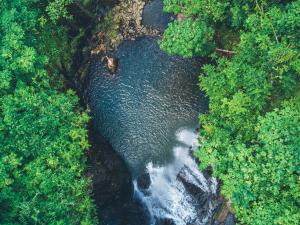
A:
[140,109]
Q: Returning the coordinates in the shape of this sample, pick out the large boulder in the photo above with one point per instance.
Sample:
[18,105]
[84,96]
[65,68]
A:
[144,181]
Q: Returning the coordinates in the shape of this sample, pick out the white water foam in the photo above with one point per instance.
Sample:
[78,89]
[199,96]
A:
[168,196]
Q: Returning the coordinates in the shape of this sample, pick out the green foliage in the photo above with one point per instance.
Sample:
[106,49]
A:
[251,134]
[222,18]
[58,8]
[110,25]
[43,132]
[192,36]
[42,143]
[266,186]
[206,9]
[188,38]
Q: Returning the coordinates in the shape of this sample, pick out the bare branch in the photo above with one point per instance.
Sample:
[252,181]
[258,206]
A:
[224,51]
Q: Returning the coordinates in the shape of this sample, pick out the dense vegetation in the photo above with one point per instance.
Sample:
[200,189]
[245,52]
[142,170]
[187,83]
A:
[43,132]
[251,135]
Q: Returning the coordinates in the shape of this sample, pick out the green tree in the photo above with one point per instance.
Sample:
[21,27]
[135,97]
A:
[43,132]
[188,38]
[42,140]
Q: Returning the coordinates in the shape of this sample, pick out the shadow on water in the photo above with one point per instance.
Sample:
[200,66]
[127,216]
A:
[112,185]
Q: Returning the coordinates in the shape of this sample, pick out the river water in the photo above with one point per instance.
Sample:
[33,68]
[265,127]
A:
[140,109]
[148,111]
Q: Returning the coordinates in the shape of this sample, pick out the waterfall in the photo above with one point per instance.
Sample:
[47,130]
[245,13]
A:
[178,192]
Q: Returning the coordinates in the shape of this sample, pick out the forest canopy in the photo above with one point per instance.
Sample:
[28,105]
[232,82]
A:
[251,135]
[43,132]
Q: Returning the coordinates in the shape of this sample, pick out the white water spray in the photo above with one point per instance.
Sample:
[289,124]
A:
[179,191]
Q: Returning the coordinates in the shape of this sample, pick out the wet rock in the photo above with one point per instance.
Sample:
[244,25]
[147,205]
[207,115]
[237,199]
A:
[224,214]
[229,219]
[165,221]
[124,23]
[127,17]
[112,64]
[194,190]
[216,223]
[200,197]
[144,181]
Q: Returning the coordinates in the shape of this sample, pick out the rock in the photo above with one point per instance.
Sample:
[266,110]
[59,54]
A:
[126,23]
[112,64]
[197,195]
[165,221]
[229,219]
[191,188]
[100,48]
[144,181]
[225,214]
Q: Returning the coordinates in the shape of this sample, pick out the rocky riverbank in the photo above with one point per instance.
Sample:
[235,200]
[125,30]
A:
[224,214]
[123,22]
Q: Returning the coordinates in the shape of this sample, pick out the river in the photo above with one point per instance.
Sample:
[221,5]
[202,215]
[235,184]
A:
[148,112]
